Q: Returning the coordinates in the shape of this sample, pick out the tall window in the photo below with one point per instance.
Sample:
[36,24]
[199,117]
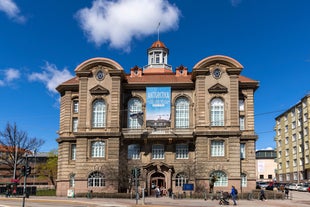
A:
[242,151]
[158,151]
[222,179]
[182,113]
[72,181]
[181,151]
[217,148]
[244,181]
[241,105]
[99,113]
[135,115]
[75,106]
[73,151]
[134,151]
[75,122]
[241,122]
[96,179]
[97,149]
[180,179]
[217,112]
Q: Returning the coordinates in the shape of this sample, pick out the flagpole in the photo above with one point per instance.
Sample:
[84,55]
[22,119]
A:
[158,31]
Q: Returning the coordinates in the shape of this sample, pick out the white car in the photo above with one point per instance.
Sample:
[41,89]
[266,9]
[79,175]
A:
[293,186]
[304,187]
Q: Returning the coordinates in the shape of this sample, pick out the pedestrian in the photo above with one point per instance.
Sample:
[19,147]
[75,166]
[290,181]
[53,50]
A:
[262,196]
[286,193]
[233,194]
[157,191]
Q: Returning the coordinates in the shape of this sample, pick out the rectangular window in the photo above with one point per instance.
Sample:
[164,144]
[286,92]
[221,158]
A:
[293,125]
[158,151]
[295,175]
[281,178]
[98,149]
[261,176]
[73,151]
[269,176]
[75,122]
[242,150]
[241,105]
[241,122]
[181,151]
[217,148]
[288,177]
[294,163]
[75,106]
[134,151]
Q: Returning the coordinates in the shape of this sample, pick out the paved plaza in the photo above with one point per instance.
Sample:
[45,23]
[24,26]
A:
[300,199]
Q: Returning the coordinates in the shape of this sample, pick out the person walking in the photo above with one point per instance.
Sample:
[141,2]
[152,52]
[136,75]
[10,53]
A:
[233,194]
[262,195]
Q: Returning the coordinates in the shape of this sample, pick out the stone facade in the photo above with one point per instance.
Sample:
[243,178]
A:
[209,141]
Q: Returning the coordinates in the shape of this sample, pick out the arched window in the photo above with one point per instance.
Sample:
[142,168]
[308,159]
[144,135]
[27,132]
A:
[181,179]
[244,180]
[135,114]
[99,113]
[182,113]
[222,179]
[217,112]
[97,149]
[96,179]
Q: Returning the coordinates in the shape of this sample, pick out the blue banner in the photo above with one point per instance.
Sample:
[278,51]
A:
[158,107]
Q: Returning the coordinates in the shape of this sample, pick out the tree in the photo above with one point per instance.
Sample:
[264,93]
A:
[49,169]
[15,144]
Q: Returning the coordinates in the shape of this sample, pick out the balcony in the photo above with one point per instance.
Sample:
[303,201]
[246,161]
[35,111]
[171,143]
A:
[166,132]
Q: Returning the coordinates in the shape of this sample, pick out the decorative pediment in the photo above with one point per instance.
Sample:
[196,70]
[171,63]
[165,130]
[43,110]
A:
[218,88]
[99,90]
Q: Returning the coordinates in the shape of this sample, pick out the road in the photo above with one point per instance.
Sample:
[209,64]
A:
[300,199]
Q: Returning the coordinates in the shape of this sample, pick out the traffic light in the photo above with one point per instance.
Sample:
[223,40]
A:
[28,170]
[23,170]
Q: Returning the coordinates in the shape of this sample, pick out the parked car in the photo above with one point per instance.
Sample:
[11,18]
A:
[293,186]
[304,187]
[262,184]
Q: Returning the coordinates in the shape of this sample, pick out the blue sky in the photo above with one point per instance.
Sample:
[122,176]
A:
[41,43]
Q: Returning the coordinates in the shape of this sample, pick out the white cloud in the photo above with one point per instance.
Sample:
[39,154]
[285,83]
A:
[117,22]
[9,75]
[51,76]
[11,10]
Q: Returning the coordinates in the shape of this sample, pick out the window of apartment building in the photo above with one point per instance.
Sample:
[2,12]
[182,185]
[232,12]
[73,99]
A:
[75,106]
[306,145]
[298,110]
[280,153]
[158,151]
[217,148]
[295,176]
[294,150]
[242,151]
[96,179]
[305,117]
[293,137]
[73,151]
[134,151]
[287,164]
[180,179]
[280,166]
[135,114]
[222,179]
[294,162]
[217,112]
[278,122]
[75,122]
[269,176]
[241,122]
[285,117]
[261,177]
[281,178]
[72,181]
[280,143]
[244,180]
[299,135]
[279,132]
[286,128]
[99,113]
[288,177]
[306,131]
[181,151]
[286,152]
[182,113]
[307,159]
[292,113]
[286,140]
[97,149]
[241,105]
[301,162]
[293,125]
[298,122]
[300,148]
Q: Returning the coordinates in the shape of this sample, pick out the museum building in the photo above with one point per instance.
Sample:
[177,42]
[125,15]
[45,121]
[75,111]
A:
[179,127]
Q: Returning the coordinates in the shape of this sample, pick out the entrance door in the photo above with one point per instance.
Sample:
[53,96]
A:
[158,179]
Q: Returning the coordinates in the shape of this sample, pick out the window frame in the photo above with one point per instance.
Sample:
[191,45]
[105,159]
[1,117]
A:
[217,112]
[181,151]
[217,148]
[182,112]
[99,113]
[97,149]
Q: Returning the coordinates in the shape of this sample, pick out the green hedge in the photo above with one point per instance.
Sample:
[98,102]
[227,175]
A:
[47,192]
